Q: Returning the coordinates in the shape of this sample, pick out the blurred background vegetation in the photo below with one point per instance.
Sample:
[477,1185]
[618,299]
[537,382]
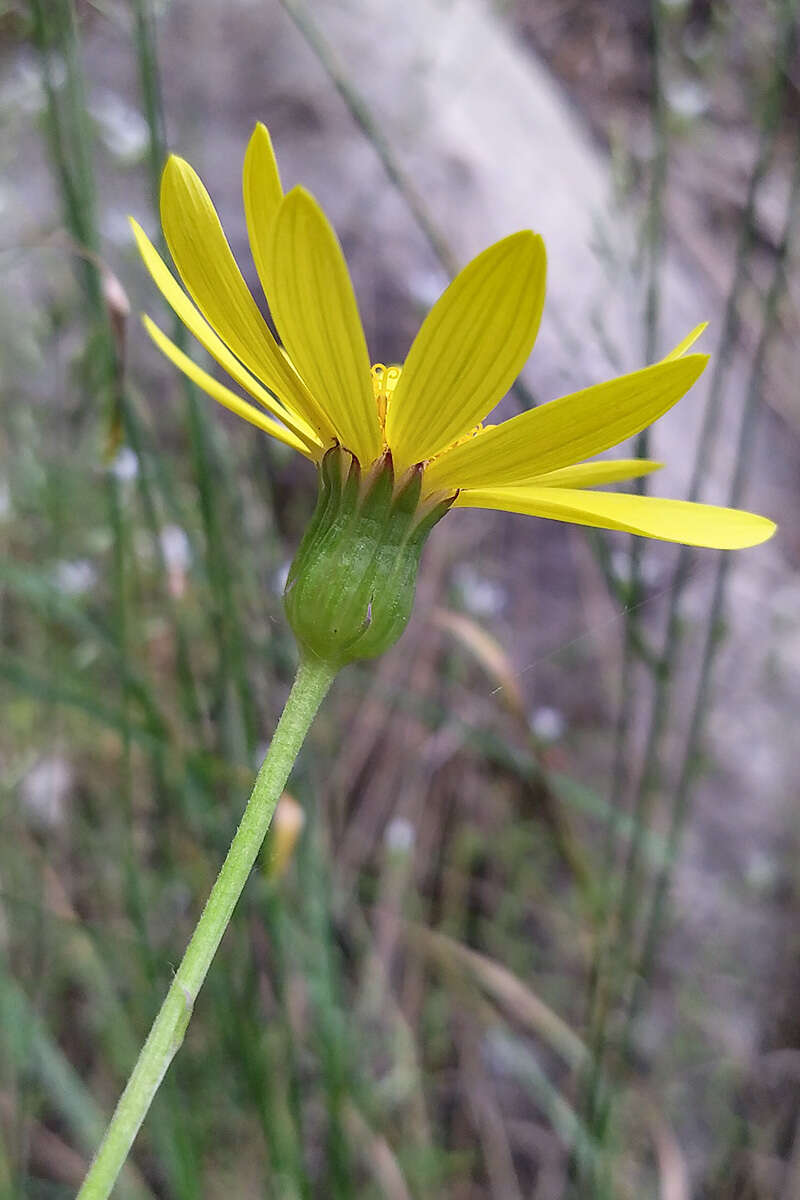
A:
[538,936]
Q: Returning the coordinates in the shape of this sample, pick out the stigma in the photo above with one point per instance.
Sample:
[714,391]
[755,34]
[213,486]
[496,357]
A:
[384,381]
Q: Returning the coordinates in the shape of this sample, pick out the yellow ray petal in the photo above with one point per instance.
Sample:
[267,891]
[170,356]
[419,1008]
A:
[606,470]
[262,193]
[206,265]
[220,393]
[667,520]
[315,312]
[566,431]
[199,327]
[470,349]
[687,343]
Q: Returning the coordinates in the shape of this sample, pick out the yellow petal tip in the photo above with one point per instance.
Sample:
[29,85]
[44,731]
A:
[142,240]
[174,162]
[686,343]
[298,192]
[176,169]
[169,167]
[527,240]
[260,135]
[698,362]
[769,529]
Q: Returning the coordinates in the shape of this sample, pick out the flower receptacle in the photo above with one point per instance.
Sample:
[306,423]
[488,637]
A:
[350,589]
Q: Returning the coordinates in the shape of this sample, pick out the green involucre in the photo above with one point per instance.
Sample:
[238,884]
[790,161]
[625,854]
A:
[350,589]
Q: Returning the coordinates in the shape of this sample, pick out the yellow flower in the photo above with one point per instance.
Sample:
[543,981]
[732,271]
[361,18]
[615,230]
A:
[318,389]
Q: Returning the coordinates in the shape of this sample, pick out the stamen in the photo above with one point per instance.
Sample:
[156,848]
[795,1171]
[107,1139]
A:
[466,437]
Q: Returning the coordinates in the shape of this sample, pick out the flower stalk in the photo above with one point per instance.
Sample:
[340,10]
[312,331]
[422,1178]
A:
[311,684]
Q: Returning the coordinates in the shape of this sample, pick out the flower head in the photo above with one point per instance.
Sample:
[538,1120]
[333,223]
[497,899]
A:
[422,423]
[318,389]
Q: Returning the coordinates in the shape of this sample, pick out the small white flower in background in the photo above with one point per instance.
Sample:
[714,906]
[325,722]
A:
[5,500]
[500,1051]
[479,595]
[177,553]
[75,577]
[22,89]
[44,793]
[687,98]
[122,127]
[547,724]
[125,466]
[400,836]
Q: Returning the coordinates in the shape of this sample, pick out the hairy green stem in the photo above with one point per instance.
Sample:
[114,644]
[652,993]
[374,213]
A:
[165,1037]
